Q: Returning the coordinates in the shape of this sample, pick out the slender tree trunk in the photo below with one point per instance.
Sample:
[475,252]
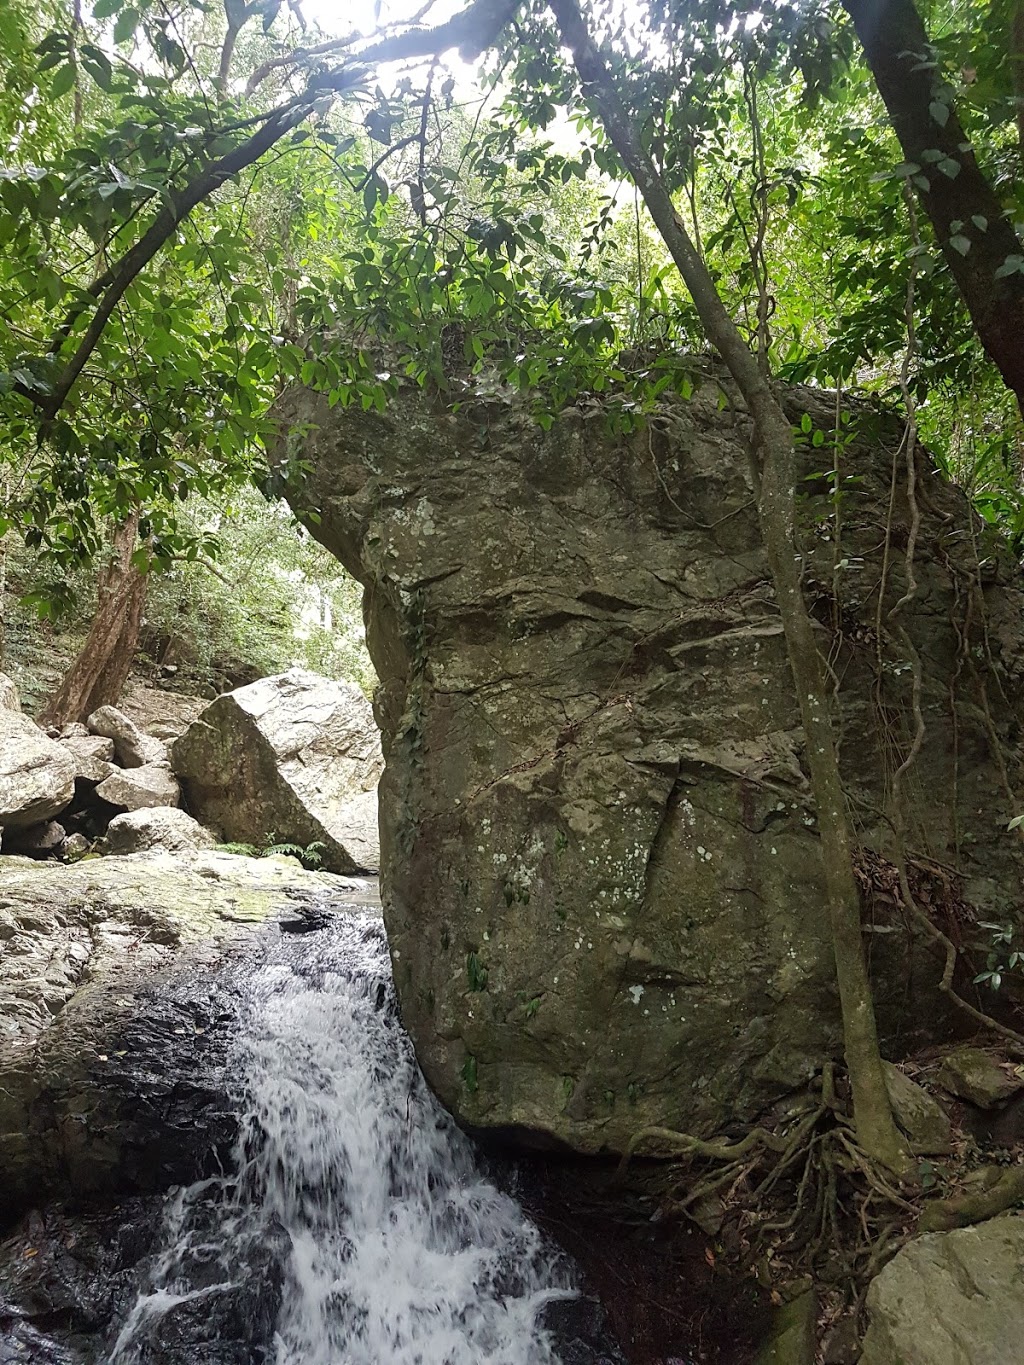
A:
[5,493]
[99,673]
[1017,70]
[876,1129]
[962,205]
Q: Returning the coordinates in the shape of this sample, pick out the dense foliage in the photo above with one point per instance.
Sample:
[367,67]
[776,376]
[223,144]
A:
[306,221]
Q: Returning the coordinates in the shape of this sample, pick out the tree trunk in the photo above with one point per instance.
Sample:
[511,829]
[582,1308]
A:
[962,205]
[99,673]
[1017,70]
[876,1129]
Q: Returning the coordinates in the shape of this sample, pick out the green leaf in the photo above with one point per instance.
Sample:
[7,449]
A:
[960,244]
[939,112]
[127,22]
[63,80]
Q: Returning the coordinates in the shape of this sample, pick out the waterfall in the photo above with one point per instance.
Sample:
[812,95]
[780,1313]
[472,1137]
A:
[396,1247]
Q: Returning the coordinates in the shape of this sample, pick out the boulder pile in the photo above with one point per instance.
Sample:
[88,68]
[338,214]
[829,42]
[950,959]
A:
[289,762]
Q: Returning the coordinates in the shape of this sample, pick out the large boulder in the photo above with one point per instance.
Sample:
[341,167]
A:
[132,748]
[951,1298]
[290,759]
[37,775]
[159,827]
[602,875]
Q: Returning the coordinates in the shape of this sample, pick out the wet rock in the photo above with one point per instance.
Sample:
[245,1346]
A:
[165,828]
[950,1298]
[921,1117]
[69,1279]
[979,1077]
[37,777]
[65,1276]
[596,783]
[580,1332]
[131,746]
[294,759]
[227,1317]
[117,1002]
[140,788]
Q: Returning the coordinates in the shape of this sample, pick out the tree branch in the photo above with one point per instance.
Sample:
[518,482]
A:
[472,32]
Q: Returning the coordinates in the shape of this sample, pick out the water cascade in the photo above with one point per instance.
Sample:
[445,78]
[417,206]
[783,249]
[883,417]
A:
[376,1236]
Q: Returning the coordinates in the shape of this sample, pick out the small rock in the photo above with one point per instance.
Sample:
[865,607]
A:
[75,846]
[977,1076]
[161,827]
[132,748]
[296,755]
[138,788]
[922,1118]
[709,1214]
[792,1339]
[74,730]
[842,1344]
[9,699]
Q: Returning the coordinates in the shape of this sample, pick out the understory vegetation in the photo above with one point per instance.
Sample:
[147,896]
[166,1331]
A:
[200,206]
[267,598]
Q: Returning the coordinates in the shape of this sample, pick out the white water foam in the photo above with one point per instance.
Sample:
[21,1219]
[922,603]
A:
[402,1251]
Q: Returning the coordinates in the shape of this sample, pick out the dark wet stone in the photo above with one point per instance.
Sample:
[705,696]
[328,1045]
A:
[580,1332]
[66,1276]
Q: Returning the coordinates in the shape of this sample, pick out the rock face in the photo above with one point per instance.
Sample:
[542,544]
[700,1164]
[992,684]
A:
[602,877]
[116,1008]
[951,1298]
[37,776]
[294,759]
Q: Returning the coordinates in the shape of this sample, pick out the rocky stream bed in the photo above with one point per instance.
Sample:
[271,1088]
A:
[220,1148]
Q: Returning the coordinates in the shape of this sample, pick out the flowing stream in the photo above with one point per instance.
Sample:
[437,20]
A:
[380,1238]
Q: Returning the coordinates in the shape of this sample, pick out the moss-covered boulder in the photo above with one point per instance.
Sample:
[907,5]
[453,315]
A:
[602,874]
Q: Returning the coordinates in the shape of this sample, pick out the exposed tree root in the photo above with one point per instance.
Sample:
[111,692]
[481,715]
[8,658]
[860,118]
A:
[807,1199]
[945,1214]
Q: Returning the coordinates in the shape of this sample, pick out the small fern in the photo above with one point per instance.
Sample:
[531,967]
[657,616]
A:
[311,855]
